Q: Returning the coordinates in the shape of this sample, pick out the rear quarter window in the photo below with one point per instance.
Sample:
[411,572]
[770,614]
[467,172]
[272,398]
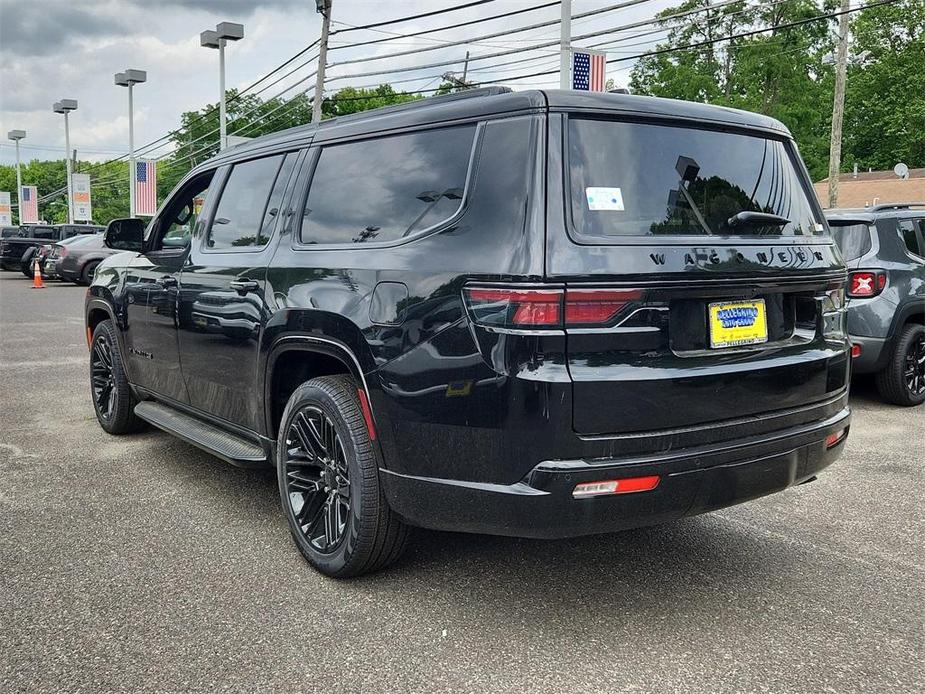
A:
[853,241]
[387,188]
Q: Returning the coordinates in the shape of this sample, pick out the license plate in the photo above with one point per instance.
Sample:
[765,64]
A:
[736,323]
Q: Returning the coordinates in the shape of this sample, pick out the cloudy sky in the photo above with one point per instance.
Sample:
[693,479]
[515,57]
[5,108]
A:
[54,49]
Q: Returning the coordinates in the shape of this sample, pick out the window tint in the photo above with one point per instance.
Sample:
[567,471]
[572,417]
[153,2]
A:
[911,239]
[644,179]
[181,213]
[853,240]
[385,189]
[240,218]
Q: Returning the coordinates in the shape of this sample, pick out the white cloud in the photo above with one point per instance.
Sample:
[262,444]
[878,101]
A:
[71,48]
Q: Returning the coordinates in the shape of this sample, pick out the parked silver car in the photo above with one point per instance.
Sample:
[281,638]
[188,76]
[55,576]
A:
[75,259]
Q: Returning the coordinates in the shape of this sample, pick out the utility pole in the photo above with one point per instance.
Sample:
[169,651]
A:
[465,67]
[565,40]
[838,108]
[324,8]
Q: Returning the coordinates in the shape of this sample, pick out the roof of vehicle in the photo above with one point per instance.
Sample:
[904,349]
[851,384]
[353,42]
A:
[495,100]
[868,215]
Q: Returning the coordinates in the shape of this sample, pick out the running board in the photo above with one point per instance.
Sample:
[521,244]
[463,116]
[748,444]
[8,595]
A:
[233,449]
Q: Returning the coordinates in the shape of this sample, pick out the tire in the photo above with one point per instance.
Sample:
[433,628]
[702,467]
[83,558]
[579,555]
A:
[902,381]
[316,485]
[112,398]
[88,272]
[26,263]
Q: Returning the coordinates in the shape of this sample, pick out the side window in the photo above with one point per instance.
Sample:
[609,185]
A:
[853,240]
[244,214]
[907,229]
[178,218]
[387,188]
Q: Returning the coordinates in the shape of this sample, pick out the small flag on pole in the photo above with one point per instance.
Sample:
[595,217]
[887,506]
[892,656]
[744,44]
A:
[28,205]
[589,70]
[145,188]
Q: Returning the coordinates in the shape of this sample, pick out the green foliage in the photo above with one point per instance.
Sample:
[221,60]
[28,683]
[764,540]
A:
[885,100]
[782,73]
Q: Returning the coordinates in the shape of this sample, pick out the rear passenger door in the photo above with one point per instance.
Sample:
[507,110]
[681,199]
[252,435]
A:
[223,301]
[912,232]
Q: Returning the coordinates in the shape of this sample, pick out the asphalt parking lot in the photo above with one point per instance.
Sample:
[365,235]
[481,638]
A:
[141,563]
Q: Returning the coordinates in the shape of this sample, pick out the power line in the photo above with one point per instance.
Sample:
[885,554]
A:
[408,18]
[497,34]
[709,42]
[443,28]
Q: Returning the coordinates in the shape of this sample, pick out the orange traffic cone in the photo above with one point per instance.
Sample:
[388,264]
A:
[37,275]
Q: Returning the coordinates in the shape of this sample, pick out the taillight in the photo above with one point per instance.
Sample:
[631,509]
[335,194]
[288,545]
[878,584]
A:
[597,306]
[62,252]
[516,308]
[866,283]
[504,307]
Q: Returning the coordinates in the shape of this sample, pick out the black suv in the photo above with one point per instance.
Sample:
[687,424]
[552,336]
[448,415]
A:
[884,248]
[539,314]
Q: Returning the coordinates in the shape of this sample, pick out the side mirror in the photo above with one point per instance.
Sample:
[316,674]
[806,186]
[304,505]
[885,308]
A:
[125,235]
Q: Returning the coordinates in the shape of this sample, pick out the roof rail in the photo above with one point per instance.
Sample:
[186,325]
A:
[895,206]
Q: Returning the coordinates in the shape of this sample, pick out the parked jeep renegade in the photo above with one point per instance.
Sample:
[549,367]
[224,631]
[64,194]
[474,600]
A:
[884,248]
[539,314]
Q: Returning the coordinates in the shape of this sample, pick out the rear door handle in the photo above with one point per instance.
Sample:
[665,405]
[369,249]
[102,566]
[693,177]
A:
[167,281]
[244,286]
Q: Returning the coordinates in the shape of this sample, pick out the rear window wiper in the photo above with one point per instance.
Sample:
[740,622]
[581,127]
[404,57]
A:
[749,218]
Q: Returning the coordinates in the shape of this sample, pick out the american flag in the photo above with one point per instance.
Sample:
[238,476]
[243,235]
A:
[28,205]
[589,70]
[146,188]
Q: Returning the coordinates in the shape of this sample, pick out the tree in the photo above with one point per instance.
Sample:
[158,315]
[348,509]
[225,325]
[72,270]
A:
[779,72]
[885,100]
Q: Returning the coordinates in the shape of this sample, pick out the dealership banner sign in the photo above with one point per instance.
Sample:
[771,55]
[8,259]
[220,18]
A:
[6,210]
[80,184]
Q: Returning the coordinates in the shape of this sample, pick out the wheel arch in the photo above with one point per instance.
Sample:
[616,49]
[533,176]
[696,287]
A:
[97,311]
[306,357]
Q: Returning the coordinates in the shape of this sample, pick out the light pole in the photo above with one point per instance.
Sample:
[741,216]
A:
[65,106]
[16,136]
[129,78]
[224,32]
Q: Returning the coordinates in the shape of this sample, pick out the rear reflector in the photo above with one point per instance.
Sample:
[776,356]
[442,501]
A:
[855,351]
[367,413]
[624,486]
[835,438]
[547,308]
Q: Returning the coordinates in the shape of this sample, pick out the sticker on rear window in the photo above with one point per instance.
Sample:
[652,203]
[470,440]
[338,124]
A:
[604,198]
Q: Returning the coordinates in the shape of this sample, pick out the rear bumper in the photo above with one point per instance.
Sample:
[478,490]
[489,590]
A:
[694,480]
[875,353]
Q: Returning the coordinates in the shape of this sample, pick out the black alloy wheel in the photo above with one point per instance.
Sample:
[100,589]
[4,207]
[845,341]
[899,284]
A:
[914,367]
[902,382]
[328,468]
[102,378]
[112,397]
[317,479]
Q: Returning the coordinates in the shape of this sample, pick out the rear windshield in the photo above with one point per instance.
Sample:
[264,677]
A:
[638,179]
[853,240]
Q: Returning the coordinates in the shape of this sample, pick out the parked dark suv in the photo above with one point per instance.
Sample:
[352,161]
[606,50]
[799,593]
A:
[884,248]
[540,314]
